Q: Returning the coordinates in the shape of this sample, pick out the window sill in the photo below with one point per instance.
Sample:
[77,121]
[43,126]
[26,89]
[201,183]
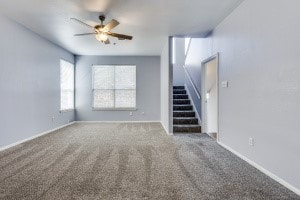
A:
[65,111]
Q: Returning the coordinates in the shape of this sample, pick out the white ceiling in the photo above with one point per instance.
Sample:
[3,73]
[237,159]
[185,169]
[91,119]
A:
[148,21]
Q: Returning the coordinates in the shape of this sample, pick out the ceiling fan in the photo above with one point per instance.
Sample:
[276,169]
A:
[102,31]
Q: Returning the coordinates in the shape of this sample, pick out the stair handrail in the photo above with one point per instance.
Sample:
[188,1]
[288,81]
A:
[192,82]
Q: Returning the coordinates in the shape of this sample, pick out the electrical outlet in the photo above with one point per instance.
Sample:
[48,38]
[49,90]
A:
[251,141]
[52,118]
[130,113]
[143,113]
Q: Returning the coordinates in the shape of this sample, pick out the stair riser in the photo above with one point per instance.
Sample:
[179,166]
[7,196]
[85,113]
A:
[181,102]
[185,121]
[187,129]
[178,87]
[179,92]
[182,96]
[184,114]
[185,108]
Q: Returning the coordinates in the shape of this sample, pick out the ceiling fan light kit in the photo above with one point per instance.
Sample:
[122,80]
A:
[102,31]
[101,37]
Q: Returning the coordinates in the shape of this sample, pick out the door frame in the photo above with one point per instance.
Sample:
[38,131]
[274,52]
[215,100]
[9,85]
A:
[203,93]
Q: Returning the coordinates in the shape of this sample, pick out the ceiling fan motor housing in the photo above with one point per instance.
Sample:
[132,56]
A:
[102,18]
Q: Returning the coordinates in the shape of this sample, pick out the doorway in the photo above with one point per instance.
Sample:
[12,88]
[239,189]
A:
[210,94]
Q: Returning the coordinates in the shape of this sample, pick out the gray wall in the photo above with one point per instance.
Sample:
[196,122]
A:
[178,71]
[148,88]
[260,59]
[199,50]
[259,45]
[29,83]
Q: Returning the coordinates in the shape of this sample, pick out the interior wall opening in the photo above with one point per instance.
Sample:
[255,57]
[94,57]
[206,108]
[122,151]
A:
[210,93]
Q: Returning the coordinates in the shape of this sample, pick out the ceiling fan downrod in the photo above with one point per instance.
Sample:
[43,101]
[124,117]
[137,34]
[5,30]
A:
[102,19]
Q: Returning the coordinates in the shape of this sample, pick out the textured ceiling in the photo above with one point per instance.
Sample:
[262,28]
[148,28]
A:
[149,22]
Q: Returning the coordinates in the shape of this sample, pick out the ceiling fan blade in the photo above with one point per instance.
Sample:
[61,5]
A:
[84,34]
[82,23]
[120,36]
[112,24]
[107,41]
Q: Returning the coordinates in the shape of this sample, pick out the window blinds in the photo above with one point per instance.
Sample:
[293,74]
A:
[66,86]
[114,87]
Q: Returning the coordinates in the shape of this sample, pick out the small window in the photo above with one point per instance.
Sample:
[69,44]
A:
[114,87]
[66,86]
[173,51]
[187,44]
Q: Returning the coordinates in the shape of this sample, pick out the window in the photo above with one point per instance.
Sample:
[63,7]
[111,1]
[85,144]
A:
[66,86]
[186,45]
[173,51]
[114,87]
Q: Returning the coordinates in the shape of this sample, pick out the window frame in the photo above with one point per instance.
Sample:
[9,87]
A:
[69,109]
[114,108]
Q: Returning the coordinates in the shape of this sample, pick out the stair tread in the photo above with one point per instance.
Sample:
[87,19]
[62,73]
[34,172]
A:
[187,129]
[186,125]
[181,99]
[181,102]
[179,91]
[183,107]
[185,118]
[183,111]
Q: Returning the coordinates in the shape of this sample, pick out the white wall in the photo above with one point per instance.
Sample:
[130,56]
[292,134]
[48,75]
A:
[29,84]
[165,91]
[259,45]
[148,88]
[178,70]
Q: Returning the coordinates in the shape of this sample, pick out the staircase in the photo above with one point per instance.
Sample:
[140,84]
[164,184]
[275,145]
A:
[184,117]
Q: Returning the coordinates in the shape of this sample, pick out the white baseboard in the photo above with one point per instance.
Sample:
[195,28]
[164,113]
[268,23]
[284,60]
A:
[34,137]
[263,170]
[89,122]
[60,127]
[167,132]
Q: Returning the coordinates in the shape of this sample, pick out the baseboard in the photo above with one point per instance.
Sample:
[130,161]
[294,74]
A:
[89,122]
[35,136]
[167,132]
[263,170]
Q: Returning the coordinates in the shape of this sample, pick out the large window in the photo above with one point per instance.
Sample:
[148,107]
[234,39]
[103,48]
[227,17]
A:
[114,87]
[66,86]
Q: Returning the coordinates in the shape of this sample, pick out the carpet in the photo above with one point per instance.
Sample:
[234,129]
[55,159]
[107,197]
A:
[129,161]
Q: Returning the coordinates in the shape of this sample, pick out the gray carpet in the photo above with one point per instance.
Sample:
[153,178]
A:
[129,161]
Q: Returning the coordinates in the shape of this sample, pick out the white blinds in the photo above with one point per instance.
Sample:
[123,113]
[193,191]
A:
[114,87]
[66,86]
